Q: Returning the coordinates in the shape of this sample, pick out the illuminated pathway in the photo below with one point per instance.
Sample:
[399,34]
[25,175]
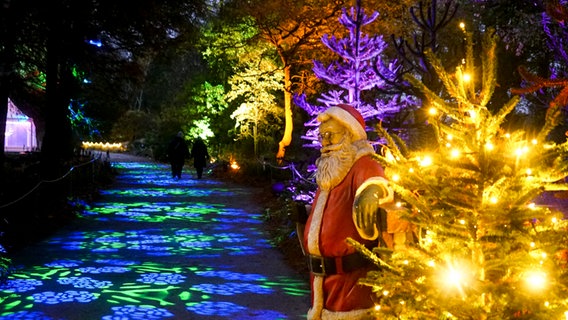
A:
[155,248]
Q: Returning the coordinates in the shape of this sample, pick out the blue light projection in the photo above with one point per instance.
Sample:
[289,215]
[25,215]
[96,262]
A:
[157,248]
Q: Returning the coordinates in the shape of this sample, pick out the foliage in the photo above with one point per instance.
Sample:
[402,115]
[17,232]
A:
[356,70]
[481,237]
[253,88]
[133,125]
[552,88]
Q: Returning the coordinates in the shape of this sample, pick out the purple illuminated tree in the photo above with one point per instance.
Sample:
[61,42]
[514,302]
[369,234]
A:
[360,67]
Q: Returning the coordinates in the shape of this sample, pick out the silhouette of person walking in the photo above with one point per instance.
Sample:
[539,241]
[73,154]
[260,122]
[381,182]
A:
[200,156]
[178,151]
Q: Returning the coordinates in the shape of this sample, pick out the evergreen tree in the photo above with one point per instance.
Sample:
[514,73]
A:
[360,68]
[485,249]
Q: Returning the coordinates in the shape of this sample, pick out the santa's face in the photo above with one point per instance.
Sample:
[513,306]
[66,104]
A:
[337,154]
[331,132]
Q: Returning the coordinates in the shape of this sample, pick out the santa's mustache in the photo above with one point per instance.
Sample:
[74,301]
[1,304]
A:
[331,148]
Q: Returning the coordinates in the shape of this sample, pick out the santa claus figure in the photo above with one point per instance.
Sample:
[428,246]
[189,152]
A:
[351,189]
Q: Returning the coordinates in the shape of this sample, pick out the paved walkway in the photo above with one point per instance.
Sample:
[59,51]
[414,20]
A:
[155,248]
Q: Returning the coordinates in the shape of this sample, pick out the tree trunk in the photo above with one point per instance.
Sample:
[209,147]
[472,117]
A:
[56,148]
[6,72]
[288,124]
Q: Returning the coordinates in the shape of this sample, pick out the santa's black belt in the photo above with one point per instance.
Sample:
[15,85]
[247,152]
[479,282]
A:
[324,266]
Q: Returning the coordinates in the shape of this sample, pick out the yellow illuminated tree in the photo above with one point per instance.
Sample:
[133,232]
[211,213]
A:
[485,247]
[254,87]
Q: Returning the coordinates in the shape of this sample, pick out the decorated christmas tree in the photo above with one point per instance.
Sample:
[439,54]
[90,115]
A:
[484,247]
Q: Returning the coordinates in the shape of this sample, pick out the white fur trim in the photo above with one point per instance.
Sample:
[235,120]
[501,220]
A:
[317,306]
[346,119]
[362,314]
[315,226]
[359,314]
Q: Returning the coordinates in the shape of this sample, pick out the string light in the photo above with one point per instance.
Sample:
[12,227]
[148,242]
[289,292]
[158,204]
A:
[426,161]
[535,280]
[103,146]
[532,206]
[455,153]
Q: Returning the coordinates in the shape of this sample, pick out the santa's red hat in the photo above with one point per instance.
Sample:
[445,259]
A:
[347,116]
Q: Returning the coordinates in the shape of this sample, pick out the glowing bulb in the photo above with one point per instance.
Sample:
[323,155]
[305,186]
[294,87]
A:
[532,206]
[466,77]
[455,153]
[385,292]
[426,161]
[398,204]
[536,280]
[462,25]
[395,177]
[534,141]
[529,171]
[493,199]
[432,111]
[411,170]
[377,307]
[554,220]
[450,137]
[454,277]
[462,221]
[489,146]
[532,244]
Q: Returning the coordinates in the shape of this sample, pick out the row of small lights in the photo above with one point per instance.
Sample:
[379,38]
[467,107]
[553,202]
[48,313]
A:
[103,146]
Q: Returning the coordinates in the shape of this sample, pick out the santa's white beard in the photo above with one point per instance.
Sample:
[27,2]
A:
[334,164]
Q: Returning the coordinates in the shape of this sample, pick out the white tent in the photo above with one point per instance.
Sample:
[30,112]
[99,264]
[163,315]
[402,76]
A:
[20,131]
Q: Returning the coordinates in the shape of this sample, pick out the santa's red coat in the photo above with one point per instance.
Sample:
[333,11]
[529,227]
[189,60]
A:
[330,222]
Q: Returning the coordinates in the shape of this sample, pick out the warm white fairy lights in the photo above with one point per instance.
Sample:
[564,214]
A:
[425,161]
[455,153]
[535,280]
[102,146]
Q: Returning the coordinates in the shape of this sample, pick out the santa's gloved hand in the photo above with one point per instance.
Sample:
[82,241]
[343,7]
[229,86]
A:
[367,210]
[296,211]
